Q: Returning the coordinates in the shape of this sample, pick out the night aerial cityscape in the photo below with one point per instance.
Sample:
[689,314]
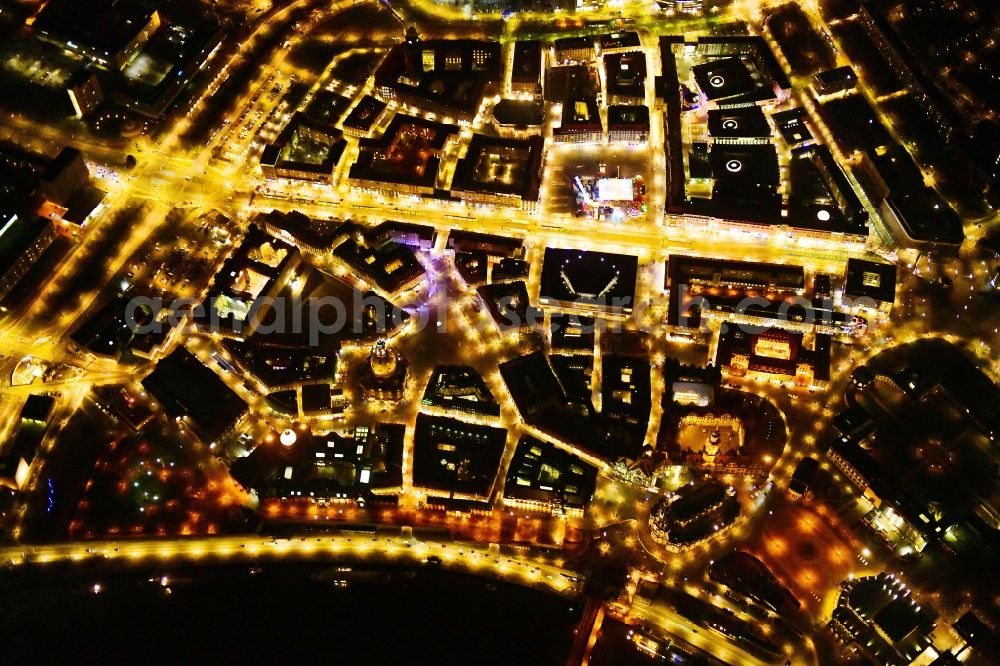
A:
[500,332]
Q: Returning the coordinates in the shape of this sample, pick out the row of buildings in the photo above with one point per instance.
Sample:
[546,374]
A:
[39,200]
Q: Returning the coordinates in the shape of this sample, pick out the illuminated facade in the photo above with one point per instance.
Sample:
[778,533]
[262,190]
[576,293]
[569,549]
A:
[384,376]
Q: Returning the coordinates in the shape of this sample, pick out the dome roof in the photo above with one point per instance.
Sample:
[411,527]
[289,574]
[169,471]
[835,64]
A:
[382,360]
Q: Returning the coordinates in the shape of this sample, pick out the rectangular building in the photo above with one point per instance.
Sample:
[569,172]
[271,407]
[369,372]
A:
[500,172]
[526,68]
[581,122]
[541,477]
[195,396]
[405,159]
[22,242]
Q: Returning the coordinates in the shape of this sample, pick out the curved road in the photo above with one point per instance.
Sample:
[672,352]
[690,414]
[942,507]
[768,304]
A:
[466,557]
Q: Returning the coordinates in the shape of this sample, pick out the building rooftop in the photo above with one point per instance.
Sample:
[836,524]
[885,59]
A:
[406,153]
[473,267]
[276,366]
[722,78]
[526,66]
[580,113]
[683,269]
[305,145]
[456,458]
[249,271]
[471,241]
[362,463]
[508,305]
[450,74]
[405,233]
[619,40]
[540,472]
[743,122]
[570,43]
[748,575]
[588,279]
[882,616]
[774,351]
[17,234]
[108,26]
[843,77]
[624,116]
[365,115]
[383,263]
[501,166]
[326,107]
[37,408]
[518,113]
[461,388]
[572,331]
[317,398]
[559,405]
[185,387]
[744,168]
[926,217]
[625,74]
[791,125]
[296,227]
[870,279]
[821,197]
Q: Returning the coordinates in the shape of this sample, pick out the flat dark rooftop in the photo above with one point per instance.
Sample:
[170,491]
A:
[838,76]
[871,279]
[750,165]
[184,386]
[405,153]
[682,269]
[327,107]
[17,234]
[526,66]
[37,408]
[738,122]
[471,241]
[589,278]
[697,499]
[541,472]
[456,457]
[619,40]
[821,197]
[927,217]
[627,116]
[279,365]
[508,304]
[722,78]
[625,74]
[316,397]
[566,43]
[501,166]
[897,619]
[364,116]
[518,113]
[791,125]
